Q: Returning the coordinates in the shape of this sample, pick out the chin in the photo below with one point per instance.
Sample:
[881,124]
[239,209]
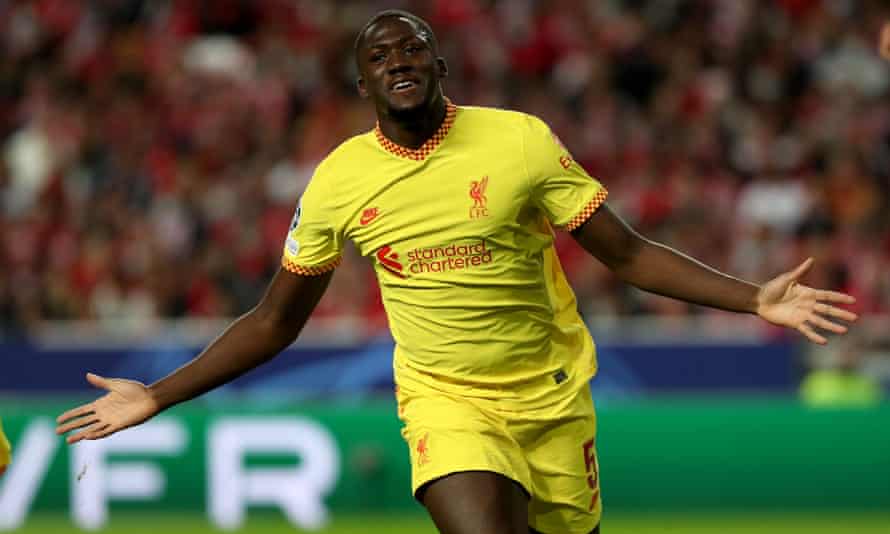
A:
[407,108]
[403,110]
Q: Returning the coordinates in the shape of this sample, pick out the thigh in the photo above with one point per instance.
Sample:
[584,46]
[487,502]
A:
[561,456]
[448,435]
[476,502]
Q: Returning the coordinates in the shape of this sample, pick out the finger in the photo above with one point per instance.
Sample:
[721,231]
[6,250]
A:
[74,438]
[81,410]
[838,313]
[811,334]
[102,432]
[86,433]
[98,381]
[801,269]
[825,324]
[78,423]
[834,296]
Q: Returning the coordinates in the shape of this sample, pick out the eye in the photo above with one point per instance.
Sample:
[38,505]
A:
[377,57]
[412,48]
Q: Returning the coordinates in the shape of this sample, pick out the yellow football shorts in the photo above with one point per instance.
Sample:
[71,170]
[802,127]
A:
[550,453]
[5,450]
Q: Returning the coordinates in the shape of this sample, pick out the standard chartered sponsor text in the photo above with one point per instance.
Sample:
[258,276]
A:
[448,258]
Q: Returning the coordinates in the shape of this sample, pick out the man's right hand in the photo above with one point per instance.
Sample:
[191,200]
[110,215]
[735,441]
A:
[126,404]
[255,338]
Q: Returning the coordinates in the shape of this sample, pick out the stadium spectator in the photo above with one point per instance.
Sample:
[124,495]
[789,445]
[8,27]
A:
[884,46]
[842,383]
[151,151]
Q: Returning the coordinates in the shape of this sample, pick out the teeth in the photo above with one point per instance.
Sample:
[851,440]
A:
[402,85]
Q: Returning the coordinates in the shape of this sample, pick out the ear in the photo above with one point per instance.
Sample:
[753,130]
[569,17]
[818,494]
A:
[360,85]
[443,67]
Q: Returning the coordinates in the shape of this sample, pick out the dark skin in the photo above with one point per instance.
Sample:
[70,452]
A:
[253,339]
[782,301]
[396,50]
[476,502]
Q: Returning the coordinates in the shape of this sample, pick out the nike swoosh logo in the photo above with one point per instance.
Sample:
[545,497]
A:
[368,217]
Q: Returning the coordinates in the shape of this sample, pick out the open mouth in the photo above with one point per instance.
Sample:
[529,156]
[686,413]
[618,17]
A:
[403,86]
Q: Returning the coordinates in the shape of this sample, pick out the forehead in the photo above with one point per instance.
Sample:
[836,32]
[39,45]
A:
[393,29]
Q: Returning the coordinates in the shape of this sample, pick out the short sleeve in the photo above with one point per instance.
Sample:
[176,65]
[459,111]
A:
[560,187]
[313,245]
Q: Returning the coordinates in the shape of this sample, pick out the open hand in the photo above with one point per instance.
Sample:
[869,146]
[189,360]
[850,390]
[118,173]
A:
[884,45]
[126,404]
[785,302]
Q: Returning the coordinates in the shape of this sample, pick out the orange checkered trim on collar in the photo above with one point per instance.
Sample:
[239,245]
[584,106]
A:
[588,210]
[429,146]
[309,271]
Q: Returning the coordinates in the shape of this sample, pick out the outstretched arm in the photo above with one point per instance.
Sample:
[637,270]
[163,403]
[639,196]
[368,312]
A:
[662,270]
[253,339]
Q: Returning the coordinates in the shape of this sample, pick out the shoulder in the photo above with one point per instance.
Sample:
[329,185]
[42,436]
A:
[501,127]
[501,118]
[346,158]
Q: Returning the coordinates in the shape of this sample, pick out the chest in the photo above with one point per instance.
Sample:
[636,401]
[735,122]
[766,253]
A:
[444,200]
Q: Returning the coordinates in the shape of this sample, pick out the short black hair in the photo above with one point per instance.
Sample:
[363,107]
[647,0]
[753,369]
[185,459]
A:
[399,13]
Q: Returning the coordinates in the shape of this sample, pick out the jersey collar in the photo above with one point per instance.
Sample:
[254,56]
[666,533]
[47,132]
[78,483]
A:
[420,154]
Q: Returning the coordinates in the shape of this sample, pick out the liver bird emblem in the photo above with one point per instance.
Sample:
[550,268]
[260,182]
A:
[477,192]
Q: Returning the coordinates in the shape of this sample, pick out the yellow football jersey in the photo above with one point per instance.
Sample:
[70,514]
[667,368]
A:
[460,231]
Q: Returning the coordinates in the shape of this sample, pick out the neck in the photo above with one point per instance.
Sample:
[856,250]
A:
[412,129]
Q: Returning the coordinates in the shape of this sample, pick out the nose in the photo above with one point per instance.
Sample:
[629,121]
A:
[397,63]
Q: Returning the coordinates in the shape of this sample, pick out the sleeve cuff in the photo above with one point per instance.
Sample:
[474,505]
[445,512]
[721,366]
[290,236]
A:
[304,270]
[587,211]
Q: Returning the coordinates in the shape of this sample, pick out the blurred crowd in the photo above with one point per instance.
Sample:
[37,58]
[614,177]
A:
[153,151]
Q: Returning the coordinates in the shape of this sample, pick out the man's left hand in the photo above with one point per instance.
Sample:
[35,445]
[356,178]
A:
[784,301]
